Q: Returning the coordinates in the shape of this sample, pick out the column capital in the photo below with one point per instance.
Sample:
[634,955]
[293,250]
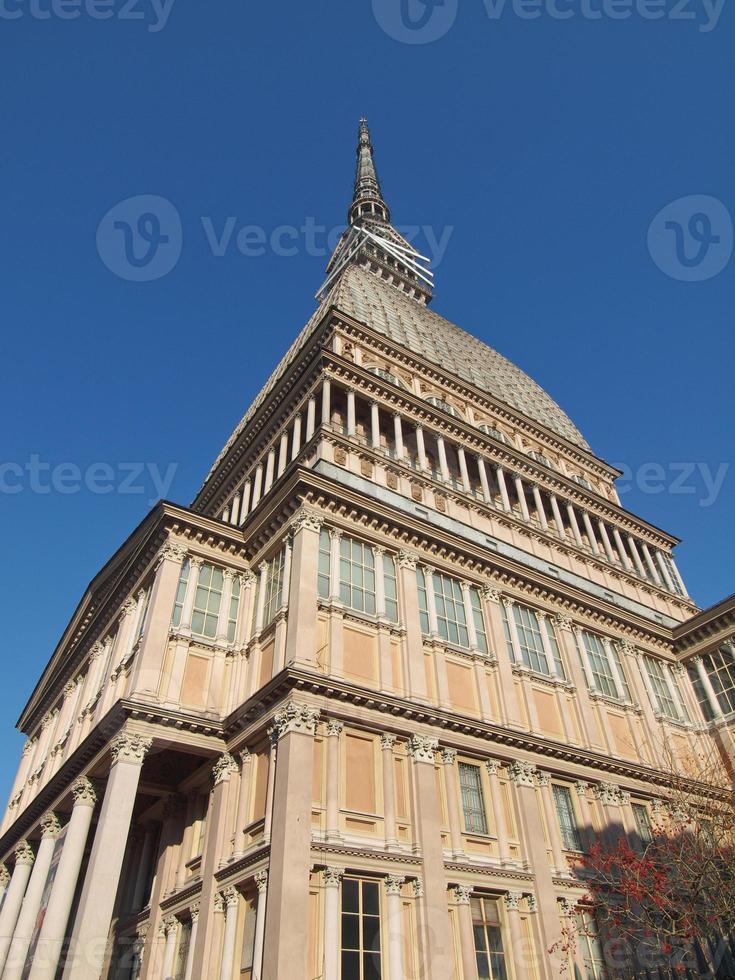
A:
[130,747]
[418,887]
[543,778]
[230,896]
[169,924]
[448,756]
[332,876]
[224,767]
[407,559]
[532,902]
[4,876]
[194,911]
[296,716]
[493,766]
[522,773]
[512,900]
[335,726]
[581,787]
[568,907]
[393,884]
[128,607]
[421,748]
[261,881]
[609,794]
[83,792]
[335,533]
[388,740]
[50,825]
[228,574]
[462,894]
[563,621]
[245,756]
[23,852]
[305,519]
[171,551]
[491,593]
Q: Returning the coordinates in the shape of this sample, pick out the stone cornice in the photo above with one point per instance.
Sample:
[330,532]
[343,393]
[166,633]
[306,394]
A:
[707,629]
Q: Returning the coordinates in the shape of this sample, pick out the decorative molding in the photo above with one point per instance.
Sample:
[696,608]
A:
[421,748]
[130,747]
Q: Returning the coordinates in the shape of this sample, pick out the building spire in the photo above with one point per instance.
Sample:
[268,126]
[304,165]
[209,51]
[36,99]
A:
[371,241]
[367,198]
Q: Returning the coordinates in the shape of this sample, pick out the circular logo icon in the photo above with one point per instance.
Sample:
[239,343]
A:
[691,238]
[415,21]
[140,238]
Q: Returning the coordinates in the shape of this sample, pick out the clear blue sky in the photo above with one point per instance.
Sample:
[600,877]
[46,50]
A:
[547,146]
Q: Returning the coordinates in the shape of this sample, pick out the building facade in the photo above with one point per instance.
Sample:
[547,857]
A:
[357,711]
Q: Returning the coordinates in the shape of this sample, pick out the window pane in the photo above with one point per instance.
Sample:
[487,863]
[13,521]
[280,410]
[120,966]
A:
[350,931]
[350,966]
[370,898]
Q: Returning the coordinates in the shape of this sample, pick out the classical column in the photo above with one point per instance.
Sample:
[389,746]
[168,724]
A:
[32,901]
[387,742]
[334,730]
[587,829]
[483,480]
[257,485]
[223,616]
[335,536]
[443,465]
[462,894]
[296,436]
[496,801]
[351,427]
[4,879]
[14,897]
[622,554]
[234,510]
[428,571]
[544,782]
[270,464]
[636,556]
[261,882]
[189,968]
[438,949]
[94,913]
[398,435]
[413,643]
[287,920]
[310,418]
[572,515]
[140,900]
[448,758]
[590,532]
[56,917]
[607,545]
[282,453]
[169,930]
[539,507]
[521,496]
[558,521]
[332,879]
[326,402]
[231,899]
[243,799]
[421,448]
[518,946]
[395,926]
[500,474]
[612,799]
[464,473]
[374,425]
[707,686]
[664,571]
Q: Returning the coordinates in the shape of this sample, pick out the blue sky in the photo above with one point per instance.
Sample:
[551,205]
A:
[543,147]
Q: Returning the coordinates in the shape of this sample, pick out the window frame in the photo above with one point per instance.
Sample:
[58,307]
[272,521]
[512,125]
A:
[493,958]
[570,831]
[361,950]
[474,814]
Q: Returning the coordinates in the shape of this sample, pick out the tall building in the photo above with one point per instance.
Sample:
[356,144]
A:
[355,713]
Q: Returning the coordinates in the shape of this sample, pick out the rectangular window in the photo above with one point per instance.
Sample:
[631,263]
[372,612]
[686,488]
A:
[357,575]
[274,587]
[720,666]
[477,619]
[181,592]
[360,944]
[642,822]
[664,695]
[324,561]
[590,946]
[528,627]
[450,616]
[390,587]
[570,836]
[489,951]
[207,601]
[234,605]
[603,679]
[473,805]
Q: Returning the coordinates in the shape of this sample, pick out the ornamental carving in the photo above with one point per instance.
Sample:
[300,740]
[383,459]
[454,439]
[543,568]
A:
[608,794]
[490,593]
[421,748]
[568,907]
[261,881]
[407,559]
[388,740]
[296,717]
[462,894]
[340,456]
[305,520]
[4,876]
[418,887]
[522,773]
[393,884]
[562,621]
[23,852]
[50,825]
[391,479]
[448,756]
[219,902]
[440,502]
[169,924]
[130,747]
[245,756]
[532,903]
[334,727]
[492,766]
[581,787]
[224,767]
[83,792]
[513,900]
[194,911]
[543,779]
[333,876]
[172,552]
[230,896]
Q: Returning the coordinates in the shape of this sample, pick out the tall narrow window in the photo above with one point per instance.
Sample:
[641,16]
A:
[489,951]
[274,587]
[473,804]
[720,666]
[450,615]
[603,679]
[532,652]
[360,934]
[590,946]
[181,593]
[421,585]
[390,588]
[665,700]
[207,601]
[324,564]
[234,605]
[478,620]
[570,836]
[357,575]
[642,822]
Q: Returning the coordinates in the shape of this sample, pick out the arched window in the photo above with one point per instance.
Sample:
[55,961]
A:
[540,458]
[492,432]
[444,406]
[387,376]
